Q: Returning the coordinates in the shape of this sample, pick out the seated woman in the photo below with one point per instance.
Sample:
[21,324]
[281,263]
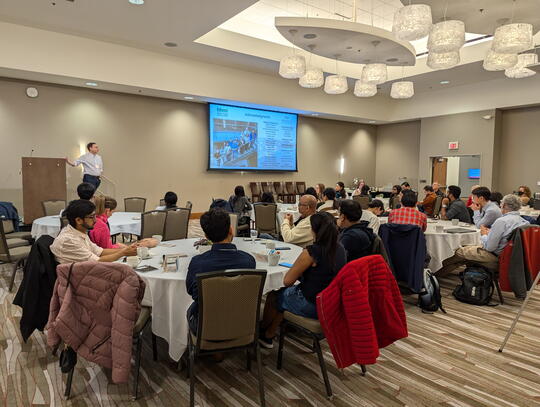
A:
[315,268]
[329,202]
[170,200]
[319,189]
[525,194]
[358,190]
[267,197]
[394,201]
[239,202]
[101,233]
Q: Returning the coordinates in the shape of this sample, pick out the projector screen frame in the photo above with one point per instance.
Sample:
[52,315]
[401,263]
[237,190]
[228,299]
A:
[248,169]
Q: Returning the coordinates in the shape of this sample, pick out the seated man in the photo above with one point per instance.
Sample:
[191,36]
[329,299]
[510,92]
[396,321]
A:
[437,189]
[408,214]
[428,204]
[356,235]
[216,225]
[329,203]
[372,213]
[299,232]
[493,240]
[453,207]
[86,191]
[486,212]
[73,244]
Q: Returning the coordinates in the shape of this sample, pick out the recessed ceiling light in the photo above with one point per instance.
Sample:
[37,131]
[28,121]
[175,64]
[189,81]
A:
[91,84]
[445,82]
[314,114]
[136,2]
[310,36]
[171,44]
[372,121]
[188,97]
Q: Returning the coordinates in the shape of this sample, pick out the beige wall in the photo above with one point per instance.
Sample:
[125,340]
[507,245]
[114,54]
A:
[520,147]
[152,145]
[397,147]
[474,134]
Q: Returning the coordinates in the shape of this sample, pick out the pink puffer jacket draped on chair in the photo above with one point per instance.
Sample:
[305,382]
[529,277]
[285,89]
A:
[96,314]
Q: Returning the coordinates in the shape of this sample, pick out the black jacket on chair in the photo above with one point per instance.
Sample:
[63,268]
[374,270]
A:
[406,248]
[35,292]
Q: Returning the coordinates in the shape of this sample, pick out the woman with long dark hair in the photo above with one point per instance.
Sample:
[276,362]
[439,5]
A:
[315,268]
[394,197]
[239,201]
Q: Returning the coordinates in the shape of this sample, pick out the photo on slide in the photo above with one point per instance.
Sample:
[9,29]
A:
[234,144]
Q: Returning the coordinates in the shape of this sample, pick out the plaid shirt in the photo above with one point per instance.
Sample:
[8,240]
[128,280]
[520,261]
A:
[408,216]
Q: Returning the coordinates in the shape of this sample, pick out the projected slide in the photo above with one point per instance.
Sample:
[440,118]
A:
[251,139]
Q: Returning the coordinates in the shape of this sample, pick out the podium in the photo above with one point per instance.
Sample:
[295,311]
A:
[43,179]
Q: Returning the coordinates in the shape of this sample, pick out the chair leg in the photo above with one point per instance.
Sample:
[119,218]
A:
[248,360]
[137,367]
[191,376]
[322,364]
[67,392]
[16,266]
[498,287]
[154,347]
[282,333]
[363,367]
[259,372]
[525,302]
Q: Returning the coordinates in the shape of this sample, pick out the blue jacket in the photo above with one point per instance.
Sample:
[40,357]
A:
[222,256]
[406,248]
[8,211]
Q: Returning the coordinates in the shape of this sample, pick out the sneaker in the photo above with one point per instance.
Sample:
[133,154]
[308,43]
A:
[265,342]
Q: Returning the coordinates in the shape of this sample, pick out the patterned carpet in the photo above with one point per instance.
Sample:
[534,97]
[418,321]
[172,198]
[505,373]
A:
[447,360]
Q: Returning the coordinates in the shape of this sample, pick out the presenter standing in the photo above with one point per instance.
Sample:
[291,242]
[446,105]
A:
[92,164]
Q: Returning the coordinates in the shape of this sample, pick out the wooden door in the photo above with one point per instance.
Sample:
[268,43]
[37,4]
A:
[43,179]
[438,174]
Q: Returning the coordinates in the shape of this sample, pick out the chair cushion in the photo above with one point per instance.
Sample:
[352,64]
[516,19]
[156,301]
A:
[13,243]
[19,235]
[310,324]
[144,316]
[19,252]
[216,345]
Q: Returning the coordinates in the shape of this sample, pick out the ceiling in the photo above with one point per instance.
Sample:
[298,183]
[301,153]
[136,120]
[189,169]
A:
[234,33]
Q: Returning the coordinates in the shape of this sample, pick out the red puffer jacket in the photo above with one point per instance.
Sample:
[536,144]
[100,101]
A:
[361,311]
[96,313]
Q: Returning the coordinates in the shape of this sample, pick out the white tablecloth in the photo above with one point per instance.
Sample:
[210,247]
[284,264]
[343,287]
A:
[120,222]
[442,245]
[166,291]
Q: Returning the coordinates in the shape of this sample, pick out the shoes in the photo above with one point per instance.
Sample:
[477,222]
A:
[265,342]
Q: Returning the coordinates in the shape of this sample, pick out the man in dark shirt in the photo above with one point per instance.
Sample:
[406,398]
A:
[453,207]
[216,224]
[356,237]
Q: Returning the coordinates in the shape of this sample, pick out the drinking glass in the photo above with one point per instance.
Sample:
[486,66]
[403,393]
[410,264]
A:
[253,233]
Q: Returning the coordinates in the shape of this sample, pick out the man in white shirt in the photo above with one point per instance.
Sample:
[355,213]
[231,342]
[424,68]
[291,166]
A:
[92,164]
[372,213]
[299,232]
[73,244]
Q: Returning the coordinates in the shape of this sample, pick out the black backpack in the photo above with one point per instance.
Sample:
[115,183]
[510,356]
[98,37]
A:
[429,299]
[476,286]
[222,204]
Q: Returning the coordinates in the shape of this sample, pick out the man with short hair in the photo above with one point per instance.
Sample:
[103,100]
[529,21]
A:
[453,207]
[428,204]
[408,214]
[356,237]
[86,191]
[372,213]
[216,225]
[485,211]
[92,164]
[73,244]
[299,232]
[405,186]
[493,240]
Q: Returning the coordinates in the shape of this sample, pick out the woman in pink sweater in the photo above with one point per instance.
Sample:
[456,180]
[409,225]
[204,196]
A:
[101,233]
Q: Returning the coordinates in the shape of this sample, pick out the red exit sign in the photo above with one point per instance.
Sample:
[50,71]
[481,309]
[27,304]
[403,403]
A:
[453,145]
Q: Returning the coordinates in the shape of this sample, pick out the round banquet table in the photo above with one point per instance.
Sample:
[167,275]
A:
[442,245]
[167,294]
[120,222]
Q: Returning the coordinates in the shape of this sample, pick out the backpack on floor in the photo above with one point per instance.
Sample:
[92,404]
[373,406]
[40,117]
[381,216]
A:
[429,299]
[476,286]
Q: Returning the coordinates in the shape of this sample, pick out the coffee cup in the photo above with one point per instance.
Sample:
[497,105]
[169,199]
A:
[142,252]
[455,222]
[270,245]
[273,259]
[439,228]
[133,261]
[159,238]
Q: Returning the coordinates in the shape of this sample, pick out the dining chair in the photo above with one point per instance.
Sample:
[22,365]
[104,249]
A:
[53,207]
[362,200]
[152,223]
[134,204]
[229,305]
[266,218]
[15,255]
[176,224]
[255,191]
